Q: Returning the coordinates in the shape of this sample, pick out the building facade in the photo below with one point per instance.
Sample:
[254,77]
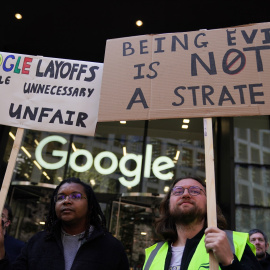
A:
[131,165]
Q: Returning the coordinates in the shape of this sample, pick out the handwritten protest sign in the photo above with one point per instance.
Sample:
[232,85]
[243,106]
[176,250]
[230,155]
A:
[223,72]
[206,73]
[49,94]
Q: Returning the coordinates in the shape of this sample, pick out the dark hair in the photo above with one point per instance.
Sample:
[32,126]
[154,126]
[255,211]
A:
[10,215]
[165,225]
[259,231]
[95,215]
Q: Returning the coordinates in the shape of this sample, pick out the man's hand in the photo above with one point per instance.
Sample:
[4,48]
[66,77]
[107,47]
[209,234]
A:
[216,241]
[2,248]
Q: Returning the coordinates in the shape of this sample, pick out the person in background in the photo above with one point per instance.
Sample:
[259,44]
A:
[183,225]
[259,239]
[75,235]
[12,246]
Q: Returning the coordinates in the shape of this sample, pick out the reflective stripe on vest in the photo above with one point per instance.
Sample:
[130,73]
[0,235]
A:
[156,254]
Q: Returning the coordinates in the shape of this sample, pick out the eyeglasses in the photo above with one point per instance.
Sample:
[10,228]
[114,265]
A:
[253,240]
[75,196]
[193,191]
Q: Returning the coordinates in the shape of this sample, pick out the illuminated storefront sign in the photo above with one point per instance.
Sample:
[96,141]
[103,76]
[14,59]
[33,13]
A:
[159,164]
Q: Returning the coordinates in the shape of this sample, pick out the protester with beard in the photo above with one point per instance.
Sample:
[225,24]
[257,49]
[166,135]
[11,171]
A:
[259,239]
[187,242]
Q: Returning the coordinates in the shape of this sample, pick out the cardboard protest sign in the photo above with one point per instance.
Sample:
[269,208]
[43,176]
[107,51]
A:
[213,73]
[206,73]
[49,94]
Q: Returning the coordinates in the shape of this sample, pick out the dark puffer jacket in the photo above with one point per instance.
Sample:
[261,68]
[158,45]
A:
[100,252]
[265,263]
[13,247]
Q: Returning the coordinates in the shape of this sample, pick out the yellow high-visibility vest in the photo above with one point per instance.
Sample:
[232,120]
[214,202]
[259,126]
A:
[155,255]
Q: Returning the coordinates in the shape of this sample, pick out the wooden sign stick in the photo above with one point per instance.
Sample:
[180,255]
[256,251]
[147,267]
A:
[210,183]
[10,167]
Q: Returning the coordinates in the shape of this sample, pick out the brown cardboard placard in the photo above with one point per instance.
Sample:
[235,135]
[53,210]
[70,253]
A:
[206,73]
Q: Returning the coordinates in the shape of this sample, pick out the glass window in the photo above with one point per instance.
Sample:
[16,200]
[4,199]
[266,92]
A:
[243,219]
[254,136]
[242,172]
[266,175]
[242,133]
[256,175]
[243,194]
[183,146]
[119,158]
[249,218]
[266,139]
[266,157]
[135,157]
[255,155]
[242,152]
[252,173]
[258,196]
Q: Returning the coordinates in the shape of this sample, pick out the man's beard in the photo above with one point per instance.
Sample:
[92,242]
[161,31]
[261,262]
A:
[187,217]
[260,255]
